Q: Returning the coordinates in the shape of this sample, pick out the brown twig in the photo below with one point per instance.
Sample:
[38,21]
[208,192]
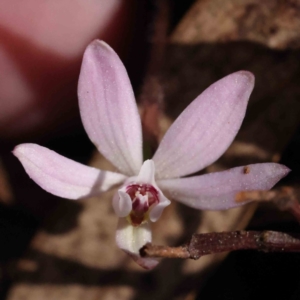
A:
[209,243]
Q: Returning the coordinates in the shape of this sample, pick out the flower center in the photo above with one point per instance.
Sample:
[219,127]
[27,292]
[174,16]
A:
[143,197]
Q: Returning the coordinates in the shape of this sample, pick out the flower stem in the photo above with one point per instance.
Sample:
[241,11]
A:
[209,243]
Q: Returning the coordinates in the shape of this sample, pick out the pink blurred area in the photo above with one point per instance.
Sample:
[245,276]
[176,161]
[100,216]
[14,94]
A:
[41,47]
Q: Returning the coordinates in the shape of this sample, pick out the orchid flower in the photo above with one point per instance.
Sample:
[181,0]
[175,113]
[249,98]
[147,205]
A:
[197,138]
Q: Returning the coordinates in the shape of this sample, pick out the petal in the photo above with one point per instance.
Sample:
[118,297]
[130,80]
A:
[206,128]
[157,210]
[122,203]
[147,172]
[61,176]
[216,191]
[108,109]
[132,238]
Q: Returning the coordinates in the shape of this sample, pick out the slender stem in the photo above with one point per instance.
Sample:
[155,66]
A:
[150,250]
[209,243]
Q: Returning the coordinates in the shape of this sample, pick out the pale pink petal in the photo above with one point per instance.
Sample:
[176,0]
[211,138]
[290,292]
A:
[217,191]
[122,203]
[108,109]
[131,238]
[61,176]
[206,128]
[157,210]
[147,172]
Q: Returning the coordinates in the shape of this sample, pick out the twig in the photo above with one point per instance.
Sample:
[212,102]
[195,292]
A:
[209,243]
[150,250]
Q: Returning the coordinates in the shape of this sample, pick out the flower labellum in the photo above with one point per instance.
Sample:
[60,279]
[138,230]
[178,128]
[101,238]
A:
[197,138]
[143,197]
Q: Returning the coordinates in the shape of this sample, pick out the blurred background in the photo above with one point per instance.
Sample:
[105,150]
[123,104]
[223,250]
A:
[52,248]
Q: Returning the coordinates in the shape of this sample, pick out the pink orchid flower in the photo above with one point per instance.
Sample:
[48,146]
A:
[198,137]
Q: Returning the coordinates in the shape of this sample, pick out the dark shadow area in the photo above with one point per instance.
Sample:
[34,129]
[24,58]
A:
[178,10]
[191,219]
[16,229]
[291,157]
[141,37]
[253,274]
